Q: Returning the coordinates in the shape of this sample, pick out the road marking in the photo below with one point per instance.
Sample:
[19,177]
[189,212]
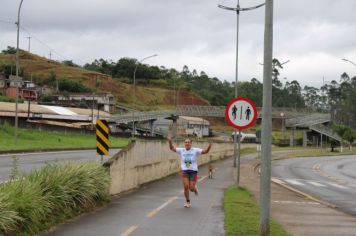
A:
[292,202]
[338,186]
[316,167]
[294,182]
[129,230]
[202,178]
[316,184]
[155,211]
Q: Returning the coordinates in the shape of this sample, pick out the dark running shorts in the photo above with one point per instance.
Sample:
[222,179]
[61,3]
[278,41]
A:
[192,175]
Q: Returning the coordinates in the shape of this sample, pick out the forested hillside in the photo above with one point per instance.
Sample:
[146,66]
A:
[72,78]
[217,92]
[160,87]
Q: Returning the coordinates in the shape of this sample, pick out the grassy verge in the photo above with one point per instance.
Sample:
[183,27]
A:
[242,215]
[45,197]
[29,139]
[316,152]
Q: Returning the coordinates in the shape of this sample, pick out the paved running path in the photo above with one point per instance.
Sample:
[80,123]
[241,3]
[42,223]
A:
[157,209]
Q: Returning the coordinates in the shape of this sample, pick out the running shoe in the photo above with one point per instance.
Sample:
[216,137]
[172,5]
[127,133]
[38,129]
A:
[187,205]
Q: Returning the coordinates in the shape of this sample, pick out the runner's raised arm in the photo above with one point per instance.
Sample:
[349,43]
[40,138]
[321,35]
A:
[171,146]
[206,150]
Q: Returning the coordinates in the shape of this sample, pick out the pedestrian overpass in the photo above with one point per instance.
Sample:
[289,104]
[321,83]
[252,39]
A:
[315,124]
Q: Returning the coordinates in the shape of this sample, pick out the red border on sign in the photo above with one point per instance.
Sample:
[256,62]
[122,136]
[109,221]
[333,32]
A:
[228,108]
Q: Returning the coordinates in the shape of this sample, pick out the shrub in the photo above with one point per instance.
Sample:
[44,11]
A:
[50,195]
[47,98]
[10,99]
[160,82]
[73,86]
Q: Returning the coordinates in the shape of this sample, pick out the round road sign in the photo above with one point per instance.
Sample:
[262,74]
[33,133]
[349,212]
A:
[241,113]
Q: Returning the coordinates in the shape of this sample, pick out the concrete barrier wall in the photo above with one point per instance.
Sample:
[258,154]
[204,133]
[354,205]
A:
[143,161]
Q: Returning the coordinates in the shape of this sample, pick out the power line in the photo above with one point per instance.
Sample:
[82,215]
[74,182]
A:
[33,36]
[37,39]
[7,22]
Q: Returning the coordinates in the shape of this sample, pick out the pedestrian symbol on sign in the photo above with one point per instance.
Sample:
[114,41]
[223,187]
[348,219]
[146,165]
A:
[248,113]
[234,111]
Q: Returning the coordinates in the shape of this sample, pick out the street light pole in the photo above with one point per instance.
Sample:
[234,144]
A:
[134,92]
[17,73]
[237,9]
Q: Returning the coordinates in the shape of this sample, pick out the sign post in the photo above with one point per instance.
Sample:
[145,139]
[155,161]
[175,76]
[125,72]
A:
[102,138]
[240,113]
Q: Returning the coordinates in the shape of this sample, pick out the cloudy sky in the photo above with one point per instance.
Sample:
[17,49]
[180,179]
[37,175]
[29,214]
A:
[313,34]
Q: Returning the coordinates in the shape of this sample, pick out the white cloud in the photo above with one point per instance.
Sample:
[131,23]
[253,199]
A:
[313,35]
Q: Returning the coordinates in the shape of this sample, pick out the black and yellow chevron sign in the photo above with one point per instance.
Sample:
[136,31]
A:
[102,137]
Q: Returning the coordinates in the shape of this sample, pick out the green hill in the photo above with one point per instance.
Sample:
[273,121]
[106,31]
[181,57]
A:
[45,71]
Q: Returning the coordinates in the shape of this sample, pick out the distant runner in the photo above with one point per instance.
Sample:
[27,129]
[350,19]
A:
[189,165]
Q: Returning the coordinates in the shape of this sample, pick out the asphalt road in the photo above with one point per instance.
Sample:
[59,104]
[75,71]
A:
[330,179]
[157,209]
[30,161]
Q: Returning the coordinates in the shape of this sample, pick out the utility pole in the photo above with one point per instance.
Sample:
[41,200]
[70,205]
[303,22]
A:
[29,43]
[17,73]
[266,149]
[237,9]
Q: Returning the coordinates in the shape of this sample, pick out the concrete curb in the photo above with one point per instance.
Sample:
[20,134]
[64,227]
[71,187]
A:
[9,152]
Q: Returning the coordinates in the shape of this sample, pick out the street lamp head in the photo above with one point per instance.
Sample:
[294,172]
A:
[154,55]
[347,60]
[285,62]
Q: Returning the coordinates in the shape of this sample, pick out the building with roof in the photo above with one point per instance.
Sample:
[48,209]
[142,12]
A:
[102,101]
[186,126]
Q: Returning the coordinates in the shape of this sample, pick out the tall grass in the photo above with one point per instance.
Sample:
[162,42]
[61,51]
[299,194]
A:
[50,195]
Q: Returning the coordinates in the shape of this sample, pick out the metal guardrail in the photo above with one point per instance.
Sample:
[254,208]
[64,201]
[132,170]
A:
[211,111]
[140,116]
[217,111]
[306,121]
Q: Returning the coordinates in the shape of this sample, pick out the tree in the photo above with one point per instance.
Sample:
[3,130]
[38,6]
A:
[341,100]
[9,50]
[275,73]
[350,136]
[69,63]
[312,98]
[340,130]
[344,77]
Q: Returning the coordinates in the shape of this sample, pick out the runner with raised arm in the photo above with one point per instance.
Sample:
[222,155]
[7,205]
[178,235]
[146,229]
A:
[189,165]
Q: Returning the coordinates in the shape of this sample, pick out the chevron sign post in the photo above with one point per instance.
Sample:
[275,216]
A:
[102,138]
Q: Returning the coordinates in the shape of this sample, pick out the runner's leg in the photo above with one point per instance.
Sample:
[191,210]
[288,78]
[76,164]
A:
[185,180]
[192,183]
